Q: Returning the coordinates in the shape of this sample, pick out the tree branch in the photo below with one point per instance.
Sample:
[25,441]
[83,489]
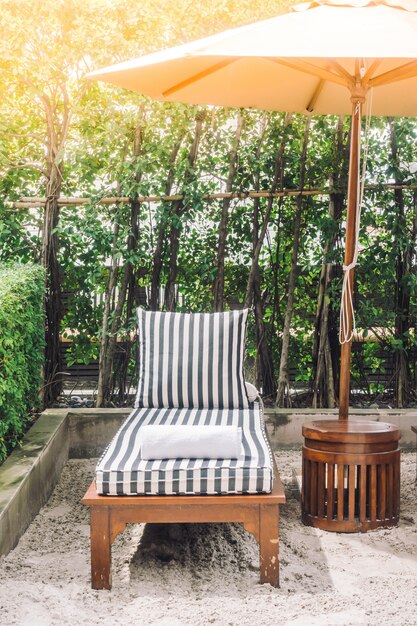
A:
[35,166]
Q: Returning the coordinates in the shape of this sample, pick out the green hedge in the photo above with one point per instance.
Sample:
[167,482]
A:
[21,349]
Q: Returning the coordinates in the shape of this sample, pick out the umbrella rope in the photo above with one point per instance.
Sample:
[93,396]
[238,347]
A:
[346,306]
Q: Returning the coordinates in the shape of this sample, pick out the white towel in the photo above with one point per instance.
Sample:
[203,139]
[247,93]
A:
[191,442]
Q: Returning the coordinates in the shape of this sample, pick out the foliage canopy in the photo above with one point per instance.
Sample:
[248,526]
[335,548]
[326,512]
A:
[50,116]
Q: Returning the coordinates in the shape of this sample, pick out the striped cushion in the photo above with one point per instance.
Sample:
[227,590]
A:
[122,471]
[191,360]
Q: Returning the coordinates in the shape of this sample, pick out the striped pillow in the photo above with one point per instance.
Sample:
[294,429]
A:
[192,360]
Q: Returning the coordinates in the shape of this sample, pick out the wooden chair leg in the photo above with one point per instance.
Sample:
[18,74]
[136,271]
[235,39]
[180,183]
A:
[100,547]
[269,544]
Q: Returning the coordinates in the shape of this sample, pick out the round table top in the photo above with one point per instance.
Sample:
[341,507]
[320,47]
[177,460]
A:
[351,431]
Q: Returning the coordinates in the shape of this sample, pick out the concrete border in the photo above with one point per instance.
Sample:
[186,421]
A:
[285,425]
[91,430]
[29,475]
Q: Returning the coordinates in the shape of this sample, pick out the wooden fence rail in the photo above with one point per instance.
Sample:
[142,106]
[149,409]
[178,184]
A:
[37,201]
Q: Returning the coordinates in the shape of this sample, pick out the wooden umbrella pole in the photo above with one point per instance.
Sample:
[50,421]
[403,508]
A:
[350,247]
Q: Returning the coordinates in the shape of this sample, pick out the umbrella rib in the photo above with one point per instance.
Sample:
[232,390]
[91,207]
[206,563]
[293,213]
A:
[371,70]
[408,70]
[199,76]
[340,70]
[313,70]
[310,106]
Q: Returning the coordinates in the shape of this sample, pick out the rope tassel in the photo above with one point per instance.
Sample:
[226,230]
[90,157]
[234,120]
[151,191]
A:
[347,313]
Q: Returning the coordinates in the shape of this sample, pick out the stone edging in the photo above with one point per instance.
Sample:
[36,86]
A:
[29,475]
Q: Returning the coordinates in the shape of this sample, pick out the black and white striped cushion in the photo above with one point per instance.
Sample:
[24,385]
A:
[122,471]
[191,360]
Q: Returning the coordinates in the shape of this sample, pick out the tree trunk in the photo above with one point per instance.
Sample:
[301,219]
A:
[253,288]
[57,127]
[174,246]
[283,380]
[132,301]
[276,184]
[276,321]
[266,368]
[218,287]
[323,358]
[402,290]
[111,323]
[178,209]
[161,231]
[105,365]
[413,271]
[265,380]
[53,299]
[128,292]
[323,388]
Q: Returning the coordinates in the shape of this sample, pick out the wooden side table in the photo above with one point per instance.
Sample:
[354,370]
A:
[351,475]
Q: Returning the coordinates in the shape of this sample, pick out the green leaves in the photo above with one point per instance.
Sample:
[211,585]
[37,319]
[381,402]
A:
[21,349]
[45,51]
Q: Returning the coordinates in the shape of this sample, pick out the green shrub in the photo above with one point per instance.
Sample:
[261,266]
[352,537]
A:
[21,349]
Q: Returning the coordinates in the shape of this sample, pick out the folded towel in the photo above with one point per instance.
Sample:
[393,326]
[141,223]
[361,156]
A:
[191,442]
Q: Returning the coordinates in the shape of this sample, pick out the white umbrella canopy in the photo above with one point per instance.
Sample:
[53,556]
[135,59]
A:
[302,61]
[322,57]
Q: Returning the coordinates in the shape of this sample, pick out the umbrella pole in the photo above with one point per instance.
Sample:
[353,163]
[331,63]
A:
[353,194]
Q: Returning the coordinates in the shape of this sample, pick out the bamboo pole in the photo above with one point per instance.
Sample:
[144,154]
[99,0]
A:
[29,202]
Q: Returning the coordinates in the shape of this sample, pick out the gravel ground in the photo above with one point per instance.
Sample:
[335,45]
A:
[208,574]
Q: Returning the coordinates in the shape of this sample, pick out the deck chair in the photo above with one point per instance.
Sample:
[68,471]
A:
[195,448]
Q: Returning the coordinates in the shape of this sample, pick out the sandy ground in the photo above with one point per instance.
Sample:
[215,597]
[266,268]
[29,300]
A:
[200,575]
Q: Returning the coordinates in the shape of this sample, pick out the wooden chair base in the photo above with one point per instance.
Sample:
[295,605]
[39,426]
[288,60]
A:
[109,515]
[351,475]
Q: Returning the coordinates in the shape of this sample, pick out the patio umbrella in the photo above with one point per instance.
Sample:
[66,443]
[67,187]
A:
[324,56]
